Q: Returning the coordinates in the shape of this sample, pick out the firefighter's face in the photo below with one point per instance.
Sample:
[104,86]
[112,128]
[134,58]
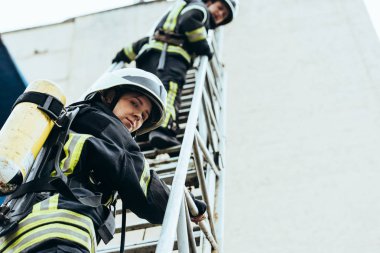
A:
[219,11]
[133,109]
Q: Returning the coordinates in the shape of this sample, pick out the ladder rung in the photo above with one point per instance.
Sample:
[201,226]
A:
[147,246]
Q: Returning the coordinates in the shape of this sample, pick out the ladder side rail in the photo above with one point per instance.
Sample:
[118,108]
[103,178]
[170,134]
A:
[167,235]
[208,93]
[213,107]
[166,241]
[207,155]
[203,225]
[211,113]
[210,183]
[214,64]
[213,87]
[193,245]
[220,184]
[182,235]
[213,130]
[208,124]
[219,210]
[202,183]
[220,103]
[215,185]
[215,42]
[203,123]
[203,129]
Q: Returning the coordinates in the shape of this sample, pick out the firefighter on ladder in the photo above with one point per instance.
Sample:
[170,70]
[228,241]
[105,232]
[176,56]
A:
[100,157]
[179,36]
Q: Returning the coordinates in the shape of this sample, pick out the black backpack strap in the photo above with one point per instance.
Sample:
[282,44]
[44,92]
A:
[60,182]
[123,225]
[107,229]
[63,188]
[54,184]
[37,185]
[45,102]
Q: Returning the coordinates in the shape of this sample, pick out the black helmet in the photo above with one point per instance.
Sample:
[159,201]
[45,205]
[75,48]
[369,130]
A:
[133,79]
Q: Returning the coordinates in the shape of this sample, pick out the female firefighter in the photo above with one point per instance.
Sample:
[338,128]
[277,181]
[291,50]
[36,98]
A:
[100,157]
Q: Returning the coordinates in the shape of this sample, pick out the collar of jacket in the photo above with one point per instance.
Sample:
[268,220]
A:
[104,108]
[212,22]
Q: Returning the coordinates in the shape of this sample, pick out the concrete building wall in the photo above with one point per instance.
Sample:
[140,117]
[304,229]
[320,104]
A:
[303,128]
[303,117]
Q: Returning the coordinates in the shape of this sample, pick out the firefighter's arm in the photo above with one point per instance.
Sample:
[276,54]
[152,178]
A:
[114,159]
[152,204]
[193,25]
[156,198]
[157,194]
[139,186]
[127,172]
[129,53]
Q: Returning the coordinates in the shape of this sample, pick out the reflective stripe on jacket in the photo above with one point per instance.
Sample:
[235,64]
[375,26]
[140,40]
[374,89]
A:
[47,222]
[191,20]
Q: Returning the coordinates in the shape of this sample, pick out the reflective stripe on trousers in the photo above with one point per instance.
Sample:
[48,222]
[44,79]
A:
[170,100]
[46,222]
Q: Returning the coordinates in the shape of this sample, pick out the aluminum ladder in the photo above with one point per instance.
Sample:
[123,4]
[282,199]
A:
[197,165]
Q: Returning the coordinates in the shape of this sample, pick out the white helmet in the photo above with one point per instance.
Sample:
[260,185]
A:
[133,79]
[233,8]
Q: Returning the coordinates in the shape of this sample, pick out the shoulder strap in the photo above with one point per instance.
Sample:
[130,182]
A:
[123,225]
[45,102]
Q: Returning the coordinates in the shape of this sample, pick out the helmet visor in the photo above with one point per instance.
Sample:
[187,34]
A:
[156,90]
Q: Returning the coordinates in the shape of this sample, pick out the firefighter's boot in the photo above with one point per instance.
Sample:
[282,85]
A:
[162,138]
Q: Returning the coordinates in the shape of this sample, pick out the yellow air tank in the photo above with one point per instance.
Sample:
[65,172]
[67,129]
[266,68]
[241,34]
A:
[23,135]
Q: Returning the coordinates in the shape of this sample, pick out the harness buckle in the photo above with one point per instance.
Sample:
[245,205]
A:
[4,220]
[171,38]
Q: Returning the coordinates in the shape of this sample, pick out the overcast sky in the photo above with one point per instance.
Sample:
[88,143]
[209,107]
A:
[18,14]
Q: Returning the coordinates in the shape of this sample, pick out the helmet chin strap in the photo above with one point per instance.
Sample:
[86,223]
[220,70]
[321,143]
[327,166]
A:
[213,24]
[112,97]
[114,101]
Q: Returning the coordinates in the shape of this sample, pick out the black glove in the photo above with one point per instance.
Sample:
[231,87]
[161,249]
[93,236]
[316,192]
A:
[202,207]
[120,56]
[210,55]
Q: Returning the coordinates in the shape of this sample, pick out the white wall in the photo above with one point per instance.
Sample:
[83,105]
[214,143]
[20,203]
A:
[303,128]
[303,117]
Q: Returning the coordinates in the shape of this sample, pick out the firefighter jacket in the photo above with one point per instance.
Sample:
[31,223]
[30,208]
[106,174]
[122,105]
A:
[99,158]
[187,21]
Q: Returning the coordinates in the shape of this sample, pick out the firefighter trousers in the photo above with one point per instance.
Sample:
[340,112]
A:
[173,77]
